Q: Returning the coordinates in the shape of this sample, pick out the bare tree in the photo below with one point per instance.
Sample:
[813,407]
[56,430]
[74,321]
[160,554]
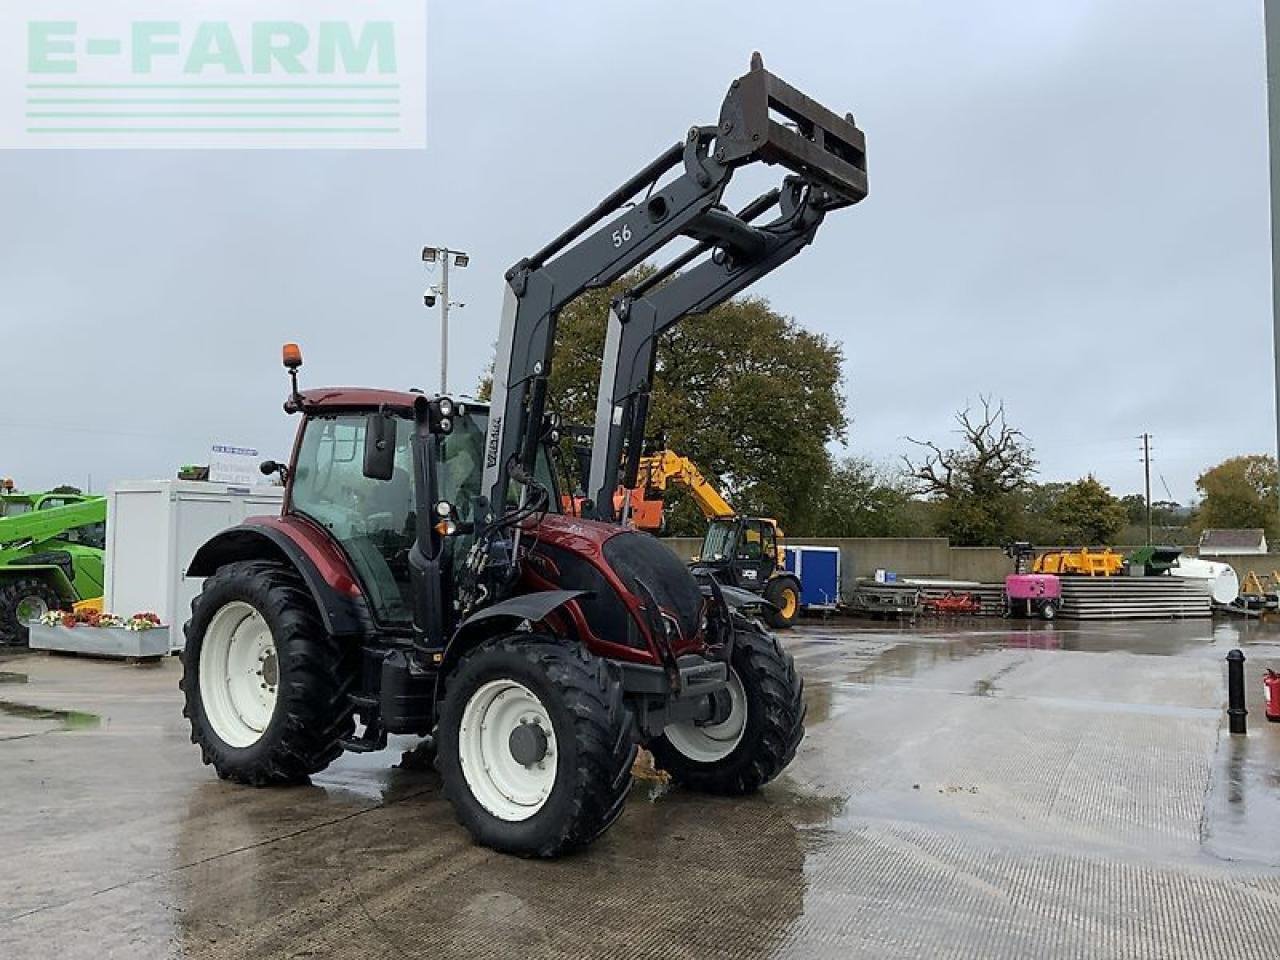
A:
[976,481]
[994,458]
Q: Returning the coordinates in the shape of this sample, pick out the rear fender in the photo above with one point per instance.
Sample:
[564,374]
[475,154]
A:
[342,607]
[50,573]
[507,615]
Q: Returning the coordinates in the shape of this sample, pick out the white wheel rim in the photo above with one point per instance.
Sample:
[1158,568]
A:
[239,674]
[711,742]
[508,789]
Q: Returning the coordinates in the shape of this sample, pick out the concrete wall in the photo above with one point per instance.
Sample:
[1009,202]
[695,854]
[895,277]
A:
[983,564]
[1262,564]
[935,557]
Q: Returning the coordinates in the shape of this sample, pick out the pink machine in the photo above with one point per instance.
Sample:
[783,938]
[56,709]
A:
[1033,594]
[1030,594]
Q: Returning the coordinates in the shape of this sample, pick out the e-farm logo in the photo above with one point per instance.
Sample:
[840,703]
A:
[213,73]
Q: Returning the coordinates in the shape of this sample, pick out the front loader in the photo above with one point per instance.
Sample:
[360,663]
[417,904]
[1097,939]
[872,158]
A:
[420,579]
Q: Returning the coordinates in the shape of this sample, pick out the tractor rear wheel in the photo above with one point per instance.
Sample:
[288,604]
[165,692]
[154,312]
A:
[784,594]
[757,740]
[266,688]
[535,744]
[23,599]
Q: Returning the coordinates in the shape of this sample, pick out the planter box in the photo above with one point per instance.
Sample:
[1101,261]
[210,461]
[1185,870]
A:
[101,641]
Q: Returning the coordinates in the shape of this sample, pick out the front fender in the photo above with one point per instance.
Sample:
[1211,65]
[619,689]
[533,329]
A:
[740,599]
[51,573]
[514,610]
[342,607]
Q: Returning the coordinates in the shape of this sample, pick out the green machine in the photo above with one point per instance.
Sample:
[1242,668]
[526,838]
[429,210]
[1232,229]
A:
[51,556]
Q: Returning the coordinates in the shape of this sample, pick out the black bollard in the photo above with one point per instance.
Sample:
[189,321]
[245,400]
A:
[1235,691]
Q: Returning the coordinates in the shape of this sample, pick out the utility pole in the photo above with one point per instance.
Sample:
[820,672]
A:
[1271,21]
[1146,469]
[443,255]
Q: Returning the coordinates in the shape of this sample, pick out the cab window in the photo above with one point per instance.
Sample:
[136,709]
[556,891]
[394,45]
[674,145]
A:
[374,520]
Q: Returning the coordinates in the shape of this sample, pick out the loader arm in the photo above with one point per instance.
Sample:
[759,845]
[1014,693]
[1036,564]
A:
[639,317]
[762,119]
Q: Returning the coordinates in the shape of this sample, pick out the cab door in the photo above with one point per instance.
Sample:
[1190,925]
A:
[374,521]
[756,552]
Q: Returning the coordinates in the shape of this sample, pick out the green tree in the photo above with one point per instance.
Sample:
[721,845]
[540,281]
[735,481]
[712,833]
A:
[1135,508]
[743,391]
[978,483]
[1239,493]
[1087,513]
[861,499]
[1037,521]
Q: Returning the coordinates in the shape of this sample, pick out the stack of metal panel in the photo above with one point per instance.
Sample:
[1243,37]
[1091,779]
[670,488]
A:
[1134,598]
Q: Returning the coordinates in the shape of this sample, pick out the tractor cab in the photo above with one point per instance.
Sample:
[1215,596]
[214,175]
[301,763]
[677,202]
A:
[380,471]
[745,547]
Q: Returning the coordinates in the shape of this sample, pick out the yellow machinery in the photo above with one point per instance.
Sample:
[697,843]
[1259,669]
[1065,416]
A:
[1082,562]
[656,472]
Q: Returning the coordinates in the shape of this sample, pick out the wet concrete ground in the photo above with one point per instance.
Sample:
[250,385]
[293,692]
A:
[969,790]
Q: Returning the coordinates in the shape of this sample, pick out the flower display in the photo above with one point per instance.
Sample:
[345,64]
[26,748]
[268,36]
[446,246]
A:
[97,618]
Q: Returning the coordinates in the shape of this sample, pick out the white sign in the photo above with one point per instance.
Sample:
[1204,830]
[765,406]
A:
[213,73]
[238,465]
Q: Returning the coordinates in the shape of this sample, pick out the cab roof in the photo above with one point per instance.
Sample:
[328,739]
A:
[335,399]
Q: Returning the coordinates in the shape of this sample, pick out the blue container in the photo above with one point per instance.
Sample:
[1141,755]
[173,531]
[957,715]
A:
[818,569]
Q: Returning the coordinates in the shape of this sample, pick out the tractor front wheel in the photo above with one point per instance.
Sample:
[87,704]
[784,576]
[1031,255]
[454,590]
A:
[784,594]
[535,744]
[22,600]
[266,687]
[759,737]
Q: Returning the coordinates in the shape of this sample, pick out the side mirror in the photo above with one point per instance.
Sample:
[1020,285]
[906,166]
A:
[268,467]
[379,446]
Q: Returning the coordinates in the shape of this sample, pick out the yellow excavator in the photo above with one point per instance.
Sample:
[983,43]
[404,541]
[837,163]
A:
[745,552]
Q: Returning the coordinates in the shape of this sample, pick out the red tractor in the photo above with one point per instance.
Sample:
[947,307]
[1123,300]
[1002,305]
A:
[420,579]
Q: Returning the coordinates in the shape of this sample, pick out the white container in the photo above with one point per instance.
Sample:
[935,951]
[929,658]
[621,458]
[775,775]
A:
[1223,583]
[154,529]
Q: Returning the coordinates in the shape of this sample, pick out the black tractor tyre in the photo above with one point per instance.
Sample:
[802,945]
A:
[774,694]
[312,712]
[595,742]
[13,592]
[784,594]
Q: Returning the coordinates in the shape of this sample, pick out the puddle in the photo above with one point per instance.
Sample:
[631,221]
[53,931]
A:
[70,719]
[7,676]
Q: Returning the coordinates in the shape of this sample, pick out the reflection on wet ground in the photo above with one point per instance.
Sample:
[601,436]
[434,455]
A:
[966,789]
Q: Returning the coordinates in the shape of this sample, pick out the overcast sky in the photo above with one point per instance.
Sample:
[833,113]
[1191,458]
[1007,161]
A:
[1068,211]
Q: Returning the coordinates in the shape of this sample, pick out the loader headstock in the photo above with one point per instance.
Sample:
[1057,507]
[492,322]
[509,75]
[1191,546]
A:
[765,118]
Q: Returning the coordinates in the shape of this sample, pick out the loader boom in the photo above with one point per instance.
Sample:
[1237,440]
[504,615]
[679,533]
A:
[762,119]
